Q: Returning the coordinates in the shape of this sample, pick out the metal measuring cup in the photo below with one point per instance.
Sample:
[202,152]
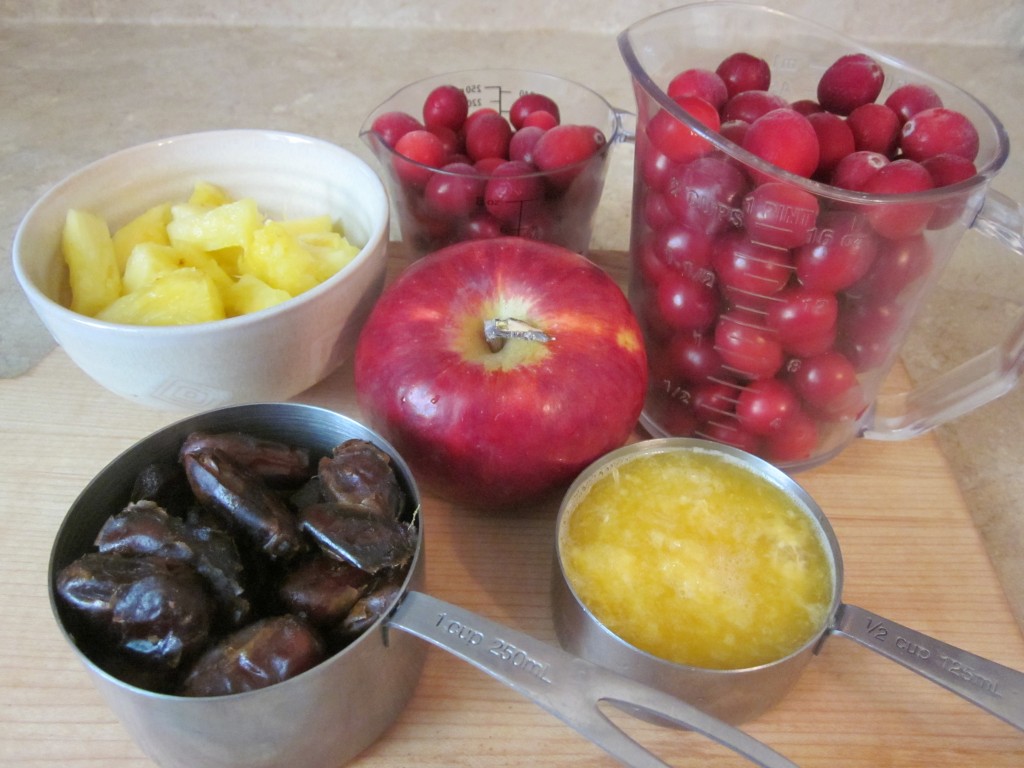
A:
[327,715]
[739,695]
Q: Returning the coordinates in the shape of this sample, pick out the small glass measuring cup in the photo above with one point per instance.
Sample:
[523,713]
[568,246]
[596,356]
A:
[696,221]
[555,207]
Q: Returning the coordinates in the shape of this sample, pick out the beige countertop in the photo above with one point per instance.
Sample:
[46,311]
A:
[81,80]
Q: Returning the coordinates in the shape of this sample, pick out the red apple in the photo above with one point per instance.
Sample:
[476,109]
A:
[506,422]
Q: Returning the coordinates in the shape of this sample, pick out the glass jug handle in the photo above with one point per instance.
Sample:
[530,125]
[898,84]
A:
[979,380]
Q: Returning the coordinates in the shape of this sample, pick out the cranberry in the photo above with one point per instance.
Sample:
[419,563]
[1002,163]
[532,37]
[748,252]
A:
[794,443]
[875,128]
[657,169]
[445,107]
[713,400]
[449,139]
[730,433]
[806,106]
[560,151]
[422,147]
[746,348]
[693,356]
[786,139]
[835,141]
[657,213]
[853,171]
[735,131]
[899,219]
[804,320]
[748,268]
[527,104]
[851,81]
[704,193]
[481,226]
[750,105]
[946,169]
[828,384]
[511,190]
[900,264]
[841,252]
[702,83]
[907,100]
[780,215]
[540,119]
[520,146]
[765,406]
[684,250]
[743,71]
[868,333]
[676,139]
[391,126]
[936,131]
[455,191]
[684,304]
[488,136]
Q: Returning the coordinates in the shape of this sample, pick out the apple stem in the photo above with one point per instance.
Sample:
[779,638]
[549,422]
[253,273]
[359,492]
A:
[499,330]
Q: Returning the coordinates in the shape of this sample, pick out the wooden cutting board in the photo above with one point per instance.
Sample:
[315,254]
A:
[911,554]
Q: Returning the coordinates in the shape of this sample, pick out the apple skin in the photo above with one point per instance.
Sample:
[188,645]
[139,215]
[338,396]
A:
[501,428]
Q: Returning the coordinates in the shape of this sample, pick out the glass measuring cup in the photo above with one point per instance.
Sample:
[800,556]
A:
[556,207]
[742,375]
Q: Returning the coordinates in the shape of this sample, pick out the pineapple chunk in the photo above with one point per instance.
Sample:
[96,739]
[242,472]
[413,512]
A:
[150,260]
[208,195]
[308,226]
[278,259]
[331,249]
[225,226]
[92,265]
[250,294]
[181,297]
[148,227]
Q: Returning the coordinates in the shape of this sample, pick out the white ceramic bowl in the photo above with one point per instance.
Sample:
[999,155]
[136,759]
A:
[269,355]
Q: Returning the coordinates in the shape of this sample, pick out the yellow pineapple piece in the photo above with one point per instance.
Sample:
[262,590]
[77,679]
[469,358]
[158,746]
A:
[92,264]
[208,195]
[150,260]
[181,297]
[147,227]
[250,294]
[331,249]
[277,258]
[225,226]
[309,225]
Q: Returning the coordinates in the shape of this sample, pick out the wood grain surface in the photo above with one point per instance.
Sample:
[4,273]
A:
[910,549]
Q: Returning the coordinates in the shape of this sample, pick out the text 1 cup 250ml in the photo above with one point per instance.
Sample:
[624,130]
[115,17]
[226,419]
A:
[774,305]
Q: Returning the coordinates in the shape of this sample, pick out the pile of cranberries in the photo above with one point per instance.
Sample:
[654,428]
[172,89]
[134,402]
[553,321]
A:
[460,175]
[769,310]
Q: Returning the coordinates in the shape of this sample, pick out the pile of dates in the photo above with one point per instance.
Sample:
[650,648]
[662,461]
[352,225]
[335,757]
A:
[241,564]
[477,174]
[771,311]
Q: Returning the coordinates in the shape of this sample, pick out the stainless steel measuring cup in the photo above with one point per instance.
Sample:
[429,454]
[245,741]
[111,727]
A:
[329,714]
[554,208]
[738,695]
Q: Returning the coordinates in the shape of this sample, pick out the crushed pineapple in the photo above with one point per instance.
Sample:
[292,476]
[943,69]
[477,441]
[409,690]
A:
[197,260]
[695,559]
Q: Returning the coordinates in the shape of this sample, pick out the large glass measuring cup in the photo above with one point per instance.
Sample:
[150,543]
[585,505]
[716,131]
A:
[745,371]
[556,207]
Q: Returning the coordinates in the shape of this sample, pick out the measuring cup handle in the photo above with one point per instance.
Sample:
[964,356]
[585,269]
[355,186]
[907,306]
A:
[981,379]
[566,686]
[991,686]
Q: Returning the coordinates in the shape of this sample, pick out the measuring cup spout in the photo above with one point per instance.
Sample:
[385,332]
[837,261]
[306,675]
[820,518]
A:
[993,687]
[566,686]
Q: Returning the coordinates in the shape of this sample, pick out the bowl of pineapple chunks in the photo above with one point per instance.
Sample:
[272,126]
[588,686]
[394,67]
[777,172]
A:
[210,268]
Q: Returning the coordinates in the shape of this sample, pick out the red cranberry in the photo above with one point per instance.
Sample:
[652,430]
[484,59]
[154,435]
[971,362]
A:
[702,83]
[849,82]
[907,100]
[445,107]
[744,72]
[784,138]
[936,131]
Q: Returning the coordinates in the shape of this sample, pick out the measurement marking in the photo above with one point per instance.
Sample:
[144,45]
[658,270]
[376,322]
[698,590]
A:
[504,651]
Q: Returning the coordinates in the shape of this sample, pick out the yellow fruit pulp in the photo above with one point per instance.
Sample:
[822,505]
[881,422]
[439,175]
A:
[694,558]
